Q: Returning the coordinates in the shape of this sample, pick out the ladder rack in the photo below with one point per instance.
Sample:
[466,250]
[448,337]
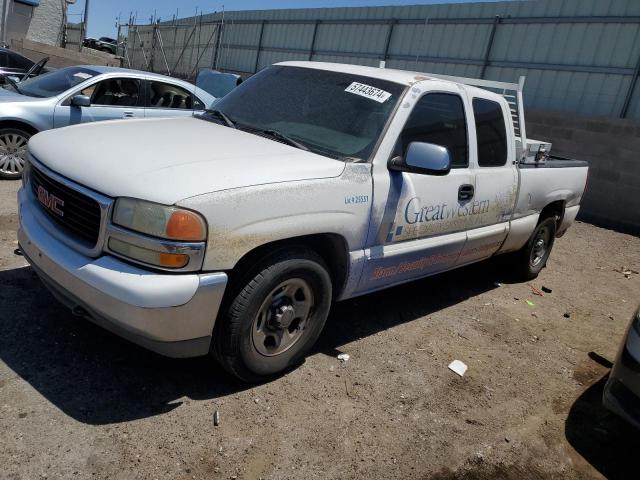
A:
[512,92]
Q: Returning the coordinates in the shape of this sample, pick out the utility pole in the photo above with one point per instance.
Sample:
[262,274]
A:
[119,32]
[83,33]
[3,22]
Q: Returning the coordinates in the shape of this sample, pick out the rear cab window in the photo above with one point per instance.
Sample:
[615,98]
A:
[491,133]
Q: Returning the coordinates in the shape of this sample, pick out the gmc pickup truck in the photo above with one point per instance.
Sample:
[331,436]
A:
[233,232]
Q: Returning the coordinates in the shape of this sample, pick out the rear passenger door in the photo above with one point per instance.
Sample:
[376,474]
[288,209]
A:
[169,100]
[493,154]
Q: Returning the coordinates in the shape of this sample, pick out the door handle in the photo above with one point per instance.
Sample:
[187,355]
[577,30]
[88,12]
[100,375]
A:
[128,115]
[466,192]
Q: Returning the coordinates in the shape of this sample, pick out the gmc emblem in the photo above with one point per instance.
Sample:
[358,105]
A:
[50,201]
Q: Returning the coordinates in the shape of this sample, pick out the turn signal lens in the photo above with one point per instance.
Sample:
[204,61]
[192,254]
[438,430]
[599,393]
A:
[173,260]
[151,257]
[185,225]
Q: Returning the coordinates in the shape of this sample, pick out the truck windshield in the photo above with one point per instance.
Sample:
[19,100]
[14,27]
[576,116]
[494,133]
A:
[55,83]
[336,114]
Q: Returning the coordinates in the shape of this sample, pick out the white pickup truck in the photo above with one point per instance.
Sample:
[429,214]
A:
[310,183]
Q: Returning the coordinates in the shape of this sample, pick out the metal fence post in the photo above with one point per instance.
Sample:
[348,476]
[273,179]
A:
[487,52]
[118,37]
[152,55]
[132,29]
[392,24]
[255,68]
[632,87]
[184,48]
[313,39]
[216,56]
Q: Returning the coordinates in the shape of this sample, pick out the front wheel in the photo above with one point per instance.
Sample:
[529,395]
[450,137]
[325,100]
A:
[532,258]
[276,315]
[13,152]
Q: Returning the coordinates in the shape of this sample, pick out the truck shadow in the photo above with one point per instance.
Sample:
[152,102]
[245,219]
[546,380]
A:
[605,441]
[97,378]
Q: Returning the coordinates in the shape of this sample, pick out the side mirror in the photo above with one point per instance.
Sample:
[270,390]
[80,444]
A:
[423,158]
[81,101]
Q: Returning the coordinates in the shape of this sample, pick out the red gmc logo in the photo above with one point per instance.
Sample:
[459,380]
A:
[50,201]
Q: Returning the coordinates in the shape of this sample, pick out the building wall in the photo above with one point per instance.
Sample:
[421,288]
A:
[578,55]
[612,148]
[44,23]
[47,24]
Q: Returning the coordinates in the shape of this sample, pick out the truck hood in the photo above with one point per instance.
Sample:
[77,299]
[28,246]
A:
[168,160]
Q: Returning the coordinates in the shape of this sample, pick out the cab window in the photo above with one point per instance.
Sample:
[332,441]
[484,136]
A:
[490,132]
[438,118]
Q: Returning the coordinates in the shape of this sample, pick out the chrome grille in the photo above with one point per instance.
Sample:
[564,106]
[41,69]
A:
[80,214]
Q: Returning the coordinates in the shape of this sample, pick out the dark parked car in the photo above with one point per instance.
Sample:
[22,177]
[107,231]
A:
[17,66]
[622,391]
[104,44]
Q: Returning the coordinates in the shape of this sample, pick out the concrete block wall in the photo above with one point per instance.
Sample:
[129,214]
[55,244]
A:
[61,57]
[612,148]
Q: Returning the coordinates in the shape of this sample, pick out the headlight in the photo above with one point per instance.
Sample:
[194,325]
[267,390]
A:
[160,221]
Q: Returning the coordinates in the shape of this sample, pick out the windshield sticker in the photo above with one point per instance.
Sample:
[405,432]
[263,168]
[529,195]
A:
[368,91]
[82,75]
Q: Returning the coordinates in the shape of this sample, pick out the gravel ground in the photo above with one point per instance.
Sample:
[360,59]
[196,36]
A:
[78,402]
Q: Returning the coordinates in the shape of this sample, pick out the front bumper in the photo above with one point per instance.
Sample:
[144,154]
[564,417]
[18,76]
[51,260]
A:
[622,391]
[171,314]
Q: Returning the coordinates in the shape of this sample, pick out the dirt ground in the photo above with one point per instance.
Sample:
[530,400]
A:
[78,402]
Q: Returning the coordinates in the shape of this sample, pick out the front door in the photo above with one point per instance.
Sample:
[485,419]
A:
[111,99]
[421,229]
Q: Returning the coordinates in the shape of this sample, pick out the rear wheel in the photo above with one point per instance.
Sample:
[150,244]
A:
[13,152]
[532,258]
[275,316]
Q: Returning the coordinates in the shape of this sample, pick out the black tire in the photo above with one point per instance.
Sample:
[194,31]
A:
[532,258]
[251,332]
[13,144]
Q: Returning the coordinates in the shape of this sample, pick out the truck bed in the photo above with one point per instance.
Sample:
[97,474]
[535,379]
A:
[556,162]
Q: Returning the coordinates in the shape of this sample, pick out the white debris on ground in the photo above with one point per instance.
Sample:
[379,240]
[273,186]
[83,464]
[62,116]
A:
[458,367]
[344,357]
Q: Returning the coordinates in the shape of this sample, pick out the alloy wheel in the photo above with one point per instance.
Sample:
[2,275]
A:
[13,152]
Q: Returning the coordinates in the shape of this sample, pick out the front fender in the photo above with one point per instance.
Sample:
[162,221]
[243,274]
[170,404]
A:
[36,119]
[241,220]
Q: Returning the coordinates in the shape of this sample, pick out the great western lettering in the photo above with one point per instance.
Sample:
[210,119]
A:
[414,212]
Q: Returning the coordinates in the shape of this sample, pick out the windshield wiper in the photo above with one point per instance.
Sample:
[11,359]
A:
[220,114]
[282,137]
[11,82]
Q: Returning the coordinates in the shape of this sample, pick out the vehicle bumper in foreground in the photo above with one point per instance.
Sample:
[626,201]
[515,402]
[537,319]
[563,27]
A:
[622,391]
[170,314]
